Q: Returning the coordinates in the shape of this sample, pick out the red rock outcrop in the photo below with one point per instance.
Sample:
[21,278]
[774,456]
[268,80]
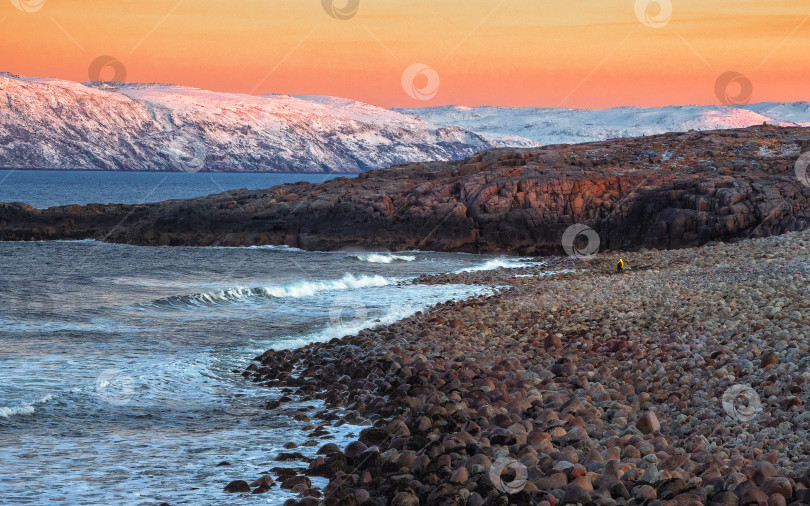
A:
[669,191]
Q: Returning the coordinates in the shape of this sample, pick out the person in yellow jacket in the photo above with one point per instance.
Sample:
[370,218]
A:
[620,266]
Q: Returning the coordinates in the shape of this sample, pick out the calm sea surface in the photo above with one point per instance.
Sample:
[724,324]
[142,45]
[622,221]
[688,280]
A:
[46,188]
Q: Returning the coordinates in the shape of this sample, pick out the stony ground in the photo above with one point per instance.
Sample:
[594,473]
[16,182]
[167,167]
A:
[682,381]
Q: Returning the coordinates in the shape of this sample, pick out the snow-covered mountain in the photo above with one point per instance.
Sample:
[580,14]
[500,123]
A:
[526,126]
[52,123]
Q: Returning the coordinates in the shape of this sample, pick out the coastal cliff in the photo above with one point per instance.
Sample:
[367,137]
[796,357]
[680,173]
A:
[666,191]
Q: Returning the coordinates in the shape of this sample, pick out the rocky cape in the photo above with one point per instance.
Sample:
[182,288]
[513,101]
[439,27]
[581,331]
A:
[666,191]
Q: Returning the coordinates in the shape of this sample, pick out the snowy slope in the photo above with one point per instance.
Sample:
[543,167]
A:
[540,126]
[51,123]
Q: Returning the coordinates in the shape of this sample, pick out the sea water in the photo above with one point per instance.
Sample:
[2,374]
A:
[47,188]
[117,362]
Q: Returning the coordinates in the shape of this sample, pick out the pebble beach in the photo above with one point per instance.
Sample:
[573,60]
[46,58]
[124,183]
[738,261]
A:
[683,380]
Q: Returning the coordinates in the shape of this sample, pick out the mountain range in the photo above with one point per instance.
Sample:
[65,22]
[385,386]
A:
[58,124]
[530,127]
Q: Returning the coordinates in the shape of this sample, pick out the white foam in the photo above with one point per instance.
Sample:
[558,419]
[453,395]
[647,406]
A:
[23,409]
[289,290]
[383,258]
[545,273]
[394,313]
[308,288]
[498,263]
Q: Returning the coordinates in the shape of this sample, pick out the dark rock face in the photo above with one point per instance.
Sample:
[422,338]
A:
[668,191]
[237,486]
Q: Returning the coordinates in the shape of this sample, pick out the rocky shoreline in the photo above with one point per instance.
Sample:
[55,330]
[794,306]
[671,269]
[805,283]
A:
[666,191]
[681,382]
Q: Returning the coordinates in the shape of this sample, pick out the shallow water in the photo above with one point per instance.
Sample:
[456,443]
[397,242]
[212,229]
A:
[117,362]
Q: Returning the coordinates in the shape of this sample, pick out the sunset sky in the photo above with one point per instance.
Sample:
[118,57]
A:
[572,53]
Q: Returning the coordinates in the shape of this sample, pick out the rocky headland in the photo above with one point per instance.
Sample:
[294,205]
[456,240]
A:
[666,191]
[683,381]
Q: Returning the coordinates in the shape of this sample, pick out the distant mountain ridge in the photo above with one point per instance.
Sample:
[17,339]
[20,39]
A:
[57,124]
[528,126]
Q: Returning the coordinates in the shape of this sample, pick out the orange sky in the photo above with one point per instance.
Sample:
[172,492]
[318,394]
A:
[574,53]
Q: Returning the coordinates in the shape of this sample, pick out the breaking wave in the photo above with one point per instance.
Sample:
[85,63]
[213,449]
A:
[392,313]
[295,289]
[498,263]
[23,409]
[383,258]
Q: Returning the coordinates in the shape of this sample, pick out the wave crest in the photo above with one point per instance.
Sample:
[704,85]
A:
[498,263]
[294,290]
[383,258]
[23,409]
